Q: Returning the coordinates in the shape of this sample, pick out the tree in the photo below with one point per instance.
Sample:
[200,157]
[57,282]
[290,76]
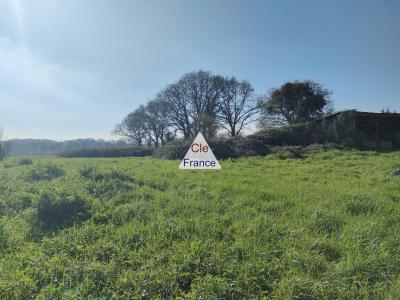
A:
[193,103]
[178,109]
[203,91]
[156,121]
[237,105]
[388,111]
[133,126]
[296,102]
[2,148]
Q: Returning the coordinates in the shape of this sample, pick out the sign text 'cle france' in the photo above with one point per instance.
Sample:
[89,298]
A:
[199,156]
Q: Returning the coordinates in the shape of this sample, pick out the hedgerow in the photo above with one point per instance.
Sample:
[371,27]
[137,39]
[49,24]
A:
[109,152]
[222,148]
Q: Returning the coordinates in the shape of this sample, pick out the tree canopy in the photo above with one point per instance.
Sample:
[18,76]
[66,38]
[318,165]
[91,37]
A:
[296,102]
[198,102]
[207,103]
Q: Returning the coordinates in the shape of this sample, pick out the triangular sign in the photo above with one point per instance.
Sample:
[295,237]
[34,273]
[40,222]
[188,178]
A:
[199,156]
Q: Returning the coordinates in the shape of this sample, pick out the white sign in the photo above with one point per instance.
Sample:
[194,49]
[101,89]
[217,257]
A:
[199,156]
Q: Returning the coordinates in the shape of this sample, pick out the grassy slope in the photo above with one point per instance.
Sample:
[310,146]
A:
[325,226]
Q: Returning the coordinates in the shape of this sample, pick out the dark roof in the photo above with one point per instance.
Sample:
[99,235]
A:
[360,113]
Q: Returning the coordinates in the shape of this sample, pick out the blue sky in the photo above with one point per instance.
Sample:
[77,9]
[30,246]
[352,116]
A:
[73,68]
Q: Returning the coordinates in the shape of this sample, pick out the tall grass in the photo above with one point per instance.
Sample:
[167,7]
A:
[321,225]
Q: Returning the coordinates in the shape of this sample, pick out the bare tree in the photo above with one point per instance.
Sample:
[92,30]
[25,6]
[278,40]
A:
[178,108]
[203,91]
[156,121]
[238,105]
[193,103]
[133,126]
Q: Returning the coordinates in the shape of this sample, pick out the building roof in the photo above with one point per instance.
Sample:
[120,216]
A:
[360,113]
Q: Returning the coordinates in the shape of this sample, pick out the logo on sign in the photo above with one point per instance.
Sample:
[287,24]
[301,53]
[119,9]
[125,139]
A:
[199,156]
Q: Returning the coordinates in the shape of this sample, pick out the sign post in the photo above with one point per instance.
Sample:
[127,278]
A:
[199,156]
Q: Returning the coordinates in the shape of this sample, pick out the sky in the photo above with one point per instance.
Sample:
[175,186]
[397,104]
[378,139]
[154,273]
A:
[73,69]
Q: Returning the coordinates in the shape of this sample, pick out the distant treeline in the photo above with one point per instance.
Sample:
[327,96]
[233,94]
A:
[109,152]
[28,147]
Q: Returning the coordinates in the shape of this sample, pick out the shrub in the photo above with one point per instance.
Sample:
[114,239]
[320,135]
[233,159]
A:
[45,172]
[222,148]
[288,152]
[281,136]
[249,147]
[59,210]
[25,161]
[315,148]
[173,150]
[91,173]
[2,152]
[107,183]
[109,152]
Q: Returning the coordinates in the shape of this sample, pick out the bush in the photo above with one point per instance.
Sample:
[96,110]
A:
[25,161]
[249,147]
[109,152]
[59,210]
[288,135]
[316,148]
[223,148]
[288,152]
[91,172]
[45,172]
[173,150]
[2,152]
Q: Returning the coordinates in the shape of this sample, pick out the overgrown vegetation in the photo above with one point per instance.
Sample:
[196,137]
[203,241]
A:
[337,130]
[59,210]
[323,225]
[222,148]
[45,172]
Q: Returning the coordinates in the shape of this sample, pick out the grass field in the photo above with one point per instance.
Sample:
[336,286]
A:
[325,226]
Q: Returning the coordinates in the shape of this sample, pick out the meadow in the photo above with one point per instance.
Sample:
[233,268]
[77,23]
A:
[325,225]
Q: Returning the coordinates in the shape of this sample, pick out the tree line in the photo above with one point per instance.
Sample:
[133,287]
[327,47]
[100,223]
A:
[2,148]
[27,147]
[203,102]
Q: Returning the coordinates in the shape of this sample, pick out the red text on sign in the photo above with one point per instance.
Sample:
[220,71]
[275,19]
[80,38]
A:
[199,148]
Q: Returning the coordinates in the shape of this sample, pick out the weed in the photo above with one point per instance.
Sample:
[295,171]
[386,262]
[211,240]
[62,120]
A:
[45,172]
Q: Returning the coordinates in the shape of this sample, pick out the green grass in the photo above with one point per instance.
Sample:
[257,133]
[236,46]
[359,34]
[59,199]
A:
[323,226]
